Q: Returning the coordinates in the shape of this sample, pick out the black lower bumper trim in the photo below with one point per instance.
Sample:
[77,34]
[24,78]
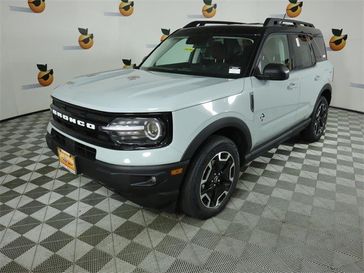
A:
[150,186]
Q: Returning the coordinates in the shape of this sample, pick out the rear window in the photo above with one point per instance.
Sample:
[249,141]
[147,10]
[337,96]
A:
[319,48]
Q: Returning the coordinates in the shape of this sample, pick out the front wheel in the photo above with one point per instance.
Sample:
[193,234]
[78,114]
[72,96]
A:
[318,123]
[211,178]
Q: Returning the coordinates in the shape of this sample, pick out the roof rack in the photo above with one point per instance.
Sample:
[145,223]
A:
[269,22]
[280,21]
[203,23]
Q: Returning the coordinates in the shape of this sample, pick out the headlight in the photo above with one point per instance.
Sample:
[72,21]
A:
[153,129]
[138,131]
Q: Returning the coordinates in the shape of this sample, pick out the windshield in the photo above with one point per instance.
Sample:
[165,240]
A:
[215,56]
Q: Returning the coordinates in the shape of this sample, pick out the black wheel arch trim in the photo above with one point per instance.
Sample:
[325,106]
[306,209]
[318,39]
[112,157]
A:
[326,87]
[214,127]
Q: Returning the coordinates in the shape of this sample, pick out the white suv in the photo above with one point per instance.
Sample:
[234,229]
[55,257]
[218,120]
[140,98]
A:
[175,131]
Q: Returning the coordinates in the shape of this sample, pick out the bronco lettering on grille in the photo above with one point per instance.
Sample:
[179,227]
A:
[80,123]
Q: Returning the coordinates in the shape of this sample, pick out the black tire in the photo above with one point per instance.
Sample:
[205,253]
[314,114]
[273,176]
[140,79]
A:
[316,128]
[218,155]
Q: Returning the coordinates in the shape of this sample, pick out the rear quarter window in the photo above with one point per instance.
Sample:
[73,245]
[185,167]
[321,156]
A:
[319,48]
[303,56]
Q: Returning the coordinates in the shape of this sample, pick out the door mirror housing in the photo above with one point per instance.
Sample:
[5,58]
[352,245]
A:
[274,72]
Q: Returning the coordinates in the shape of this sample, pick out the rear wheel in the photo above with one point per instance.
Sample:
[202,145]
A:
[211,178]
[318,123]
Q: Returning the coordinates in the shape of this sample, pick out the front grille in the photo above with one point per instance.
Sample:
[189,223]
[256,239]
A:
[96,118]
[84,113]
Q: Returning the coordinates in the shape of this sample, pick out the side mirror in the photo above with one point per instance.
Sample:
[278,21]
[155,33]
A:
[274,72]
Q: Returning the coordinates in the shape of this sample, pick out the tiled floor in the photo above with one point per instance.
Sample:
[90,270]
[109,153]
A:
[299,208]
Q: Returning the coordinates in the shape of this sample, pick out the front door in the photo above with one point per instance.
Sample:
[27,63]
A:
[275,102]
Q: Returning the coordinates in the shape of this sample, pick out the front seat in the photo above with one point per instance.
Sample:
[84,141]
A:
[218,52]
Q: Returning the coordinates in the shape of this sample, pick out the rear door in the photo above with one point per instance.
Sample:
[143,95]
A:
[323,72]
[305,69]
[275,102]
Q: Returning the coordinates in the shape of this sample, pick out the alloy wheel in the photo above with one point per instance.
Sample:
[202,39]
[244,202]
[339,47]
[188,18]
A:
[320,119]
[217,179]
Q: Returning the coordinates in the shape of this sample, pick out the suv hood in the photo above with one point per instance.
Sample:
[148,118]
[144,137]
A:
[143,91]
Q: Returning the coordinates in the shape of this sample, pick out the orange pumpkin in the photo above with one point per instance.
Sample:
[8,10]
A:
[45,76]
[209,9]
[126,7]
[294,8]
[165,35]
[85,40]
[338,41]
[37,6]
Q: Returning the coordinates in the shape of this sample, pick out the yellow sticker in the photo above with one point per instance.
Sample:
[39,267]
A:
[190,49]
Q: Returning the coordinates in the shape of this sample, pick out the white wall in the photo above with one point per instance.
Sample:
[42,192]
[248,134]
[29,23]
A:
[1,66]
[51,37]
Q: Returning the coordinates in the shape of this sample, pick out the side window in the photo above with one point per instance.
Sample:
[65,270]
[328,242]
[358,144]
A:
[303,56]
[275,50]
[319,48]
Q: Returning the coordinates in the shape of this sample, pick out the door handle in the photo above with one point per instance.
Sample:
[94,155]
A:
[291,86]
[317,77]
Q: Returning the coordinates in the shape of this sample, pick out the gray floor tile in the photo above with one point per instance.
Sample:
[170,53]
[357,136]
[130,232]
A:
[298,208]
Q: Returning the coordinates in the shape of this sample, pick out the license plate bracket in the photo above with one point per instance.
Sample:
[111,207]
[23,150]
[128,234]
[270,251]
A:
[67,161]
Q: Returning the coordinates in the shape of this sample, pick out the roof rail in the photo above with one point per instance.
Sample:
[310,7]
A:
[203,23]
[280,21]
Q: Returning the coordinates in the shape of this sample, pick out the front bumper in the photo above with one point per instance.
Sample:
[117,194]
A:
[150,186]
